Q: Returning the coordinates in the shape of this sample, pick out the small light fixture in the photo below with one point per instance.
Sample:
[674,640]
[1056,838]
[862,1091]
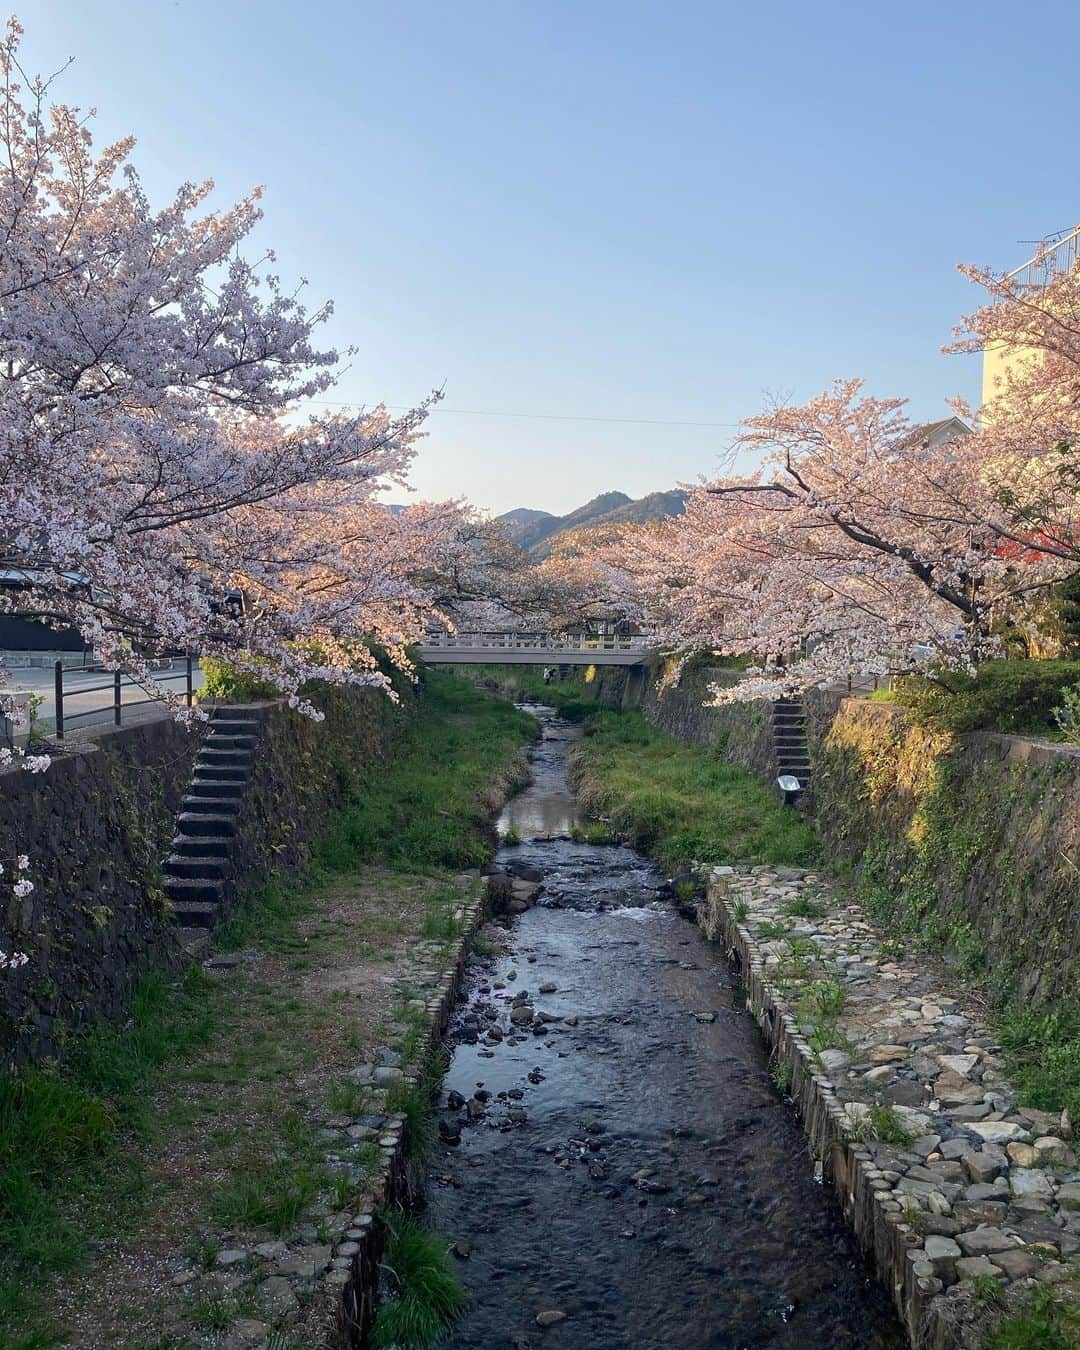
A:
[790,786]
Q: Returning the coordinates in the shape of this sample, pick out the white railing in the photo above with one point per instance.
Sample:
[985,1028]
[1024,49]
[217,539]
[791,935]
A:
[1049,262]
[546,642]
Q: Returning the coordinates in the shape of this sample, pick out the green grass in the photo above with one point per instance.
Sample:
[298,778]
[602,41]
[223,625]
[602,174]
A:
[803,907]
[70,1136]
[425,808]
[1046,1323]
[274,1183]
[574,698]
[1042,1054]
[682,802]
[888,1127]
[1003,695]
[424,1295]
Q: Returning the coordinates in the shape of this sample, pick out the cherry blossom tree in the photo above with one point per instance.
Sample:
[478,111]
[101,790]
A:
[855,542]
[154,455]
[162,487]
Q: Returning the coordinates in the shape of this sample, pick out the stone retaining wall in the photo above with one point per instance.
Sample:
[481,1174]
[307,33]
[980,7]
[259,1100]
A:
[951,1181]
[97,824]
[970,841]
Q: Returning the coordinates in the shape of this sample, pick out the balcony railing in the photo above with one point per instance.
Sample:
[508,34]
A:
[1049,263]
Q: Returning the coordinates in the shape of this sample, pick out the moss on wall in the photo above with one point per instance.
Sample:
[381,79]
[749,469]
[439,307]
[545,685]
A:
[969,842]
[97,826]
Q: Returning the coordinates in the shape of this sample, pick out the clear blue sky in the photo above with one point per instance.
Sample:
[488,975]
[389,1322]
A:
[605,210]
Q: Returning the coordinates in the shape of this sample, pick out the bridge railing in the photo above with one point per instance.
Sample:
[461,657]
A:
[547,642]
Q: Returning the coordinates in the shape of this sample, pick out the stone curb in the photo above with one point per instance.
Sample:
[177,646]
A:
[348,1296]
[866,1194]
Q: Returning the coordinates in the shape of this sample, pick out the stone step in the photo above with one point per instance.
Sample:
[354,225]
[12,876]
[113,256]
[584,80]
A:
[198,866]
[206,786]
[195,914]
[211,756]
[222,806]
[203,846]
[215,825]
[233,726]
[195,941]
[249,711]
[202,889]
[223,741]
[232,773]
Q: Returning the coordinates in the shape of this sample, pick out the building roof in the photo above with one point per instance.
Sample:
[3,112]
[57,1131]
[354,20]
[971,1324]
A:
[936,433]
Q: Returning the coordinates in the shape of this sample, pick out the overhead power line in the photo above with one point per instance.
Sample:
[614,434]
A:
[542,417]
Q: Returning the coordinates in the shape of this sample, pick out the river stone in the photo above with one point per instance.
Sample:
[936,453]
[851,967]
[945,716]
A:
[1029,1183]
[972,1213]
[985,1165]
[1018,1264]
[972,1267]
[232,1256]
[305,1261]
[959,1064]
[1068,1196]
[276,1298]
[998,1131]
[246,1334]
[886,1054]
[520,1014]
[550,1317]
[1052,1150]
[944,1253]
[954,1090]
[984,1242]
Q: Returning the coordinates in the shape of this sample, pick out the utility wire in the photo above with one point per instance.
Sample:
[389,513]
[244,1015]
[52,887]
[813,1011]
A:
[540,417]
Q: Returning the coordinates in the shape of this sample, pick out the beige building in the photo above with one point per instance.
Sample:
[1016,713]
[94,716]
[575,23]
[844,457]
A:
[1038,271]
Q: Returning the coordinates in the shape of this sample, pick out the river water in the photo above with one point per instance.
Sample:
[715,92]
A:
[630,1167]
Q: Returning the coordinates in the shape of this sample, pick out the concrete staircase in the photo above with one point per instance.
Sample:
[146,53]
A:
[789,741]
[199,869]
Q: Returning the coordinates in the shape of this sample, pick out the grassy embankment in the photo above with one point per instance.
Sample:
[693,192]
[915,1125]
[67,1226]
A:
[199,1116]
[676,801]
[680,802]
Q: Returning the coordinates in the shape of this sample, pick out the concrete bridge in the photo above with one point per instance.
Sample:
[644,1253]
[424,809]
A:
[534,649]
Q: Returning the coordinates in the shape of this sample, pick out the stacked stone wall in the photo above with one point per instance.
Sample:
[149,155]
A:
[97,826]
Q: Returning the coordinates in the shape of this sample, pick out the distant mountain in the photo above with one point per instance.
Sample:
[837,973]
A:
[523,516]
[536,531]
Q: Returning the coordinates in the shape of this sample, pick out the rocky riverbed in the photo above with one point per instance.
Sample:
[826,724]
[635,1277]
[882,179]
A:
[616,1167]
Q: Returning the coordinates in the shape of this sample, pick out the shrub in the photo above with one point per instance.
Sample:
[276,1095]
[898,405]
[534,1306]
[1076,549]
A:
[1067,716]
[226,682]
[1014,696]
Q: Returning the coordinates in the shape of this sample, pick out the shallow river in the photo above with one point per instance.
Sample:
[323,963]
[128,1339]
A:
[632,1168]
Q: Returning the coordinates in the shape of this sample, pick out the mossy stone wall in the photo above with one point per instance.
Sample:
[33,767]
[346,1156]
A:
[97,826]
[971,842]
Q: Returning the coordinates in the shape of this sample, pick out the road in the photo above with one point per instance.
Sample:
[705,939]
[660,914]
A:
[94,704]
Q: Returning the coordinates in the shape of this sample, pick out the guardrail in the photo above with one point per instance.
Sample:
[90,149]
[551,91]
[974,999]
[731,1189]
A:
[115,685]
[535,642]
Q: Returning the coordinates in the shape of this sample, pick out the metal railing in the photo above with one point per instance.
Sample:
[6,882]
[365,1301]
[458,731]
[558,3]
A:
[115,685]
[547,642]
[1048,263]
